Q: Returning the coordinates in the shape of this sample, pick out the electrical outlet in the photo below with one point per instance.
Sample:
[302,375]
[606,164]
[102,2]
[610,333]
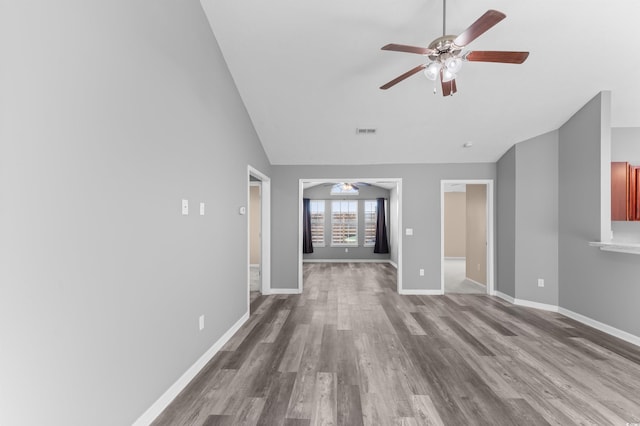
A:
[201,322]
[185,207]
[540,282]
[422,272]
[201,209]
[346,250]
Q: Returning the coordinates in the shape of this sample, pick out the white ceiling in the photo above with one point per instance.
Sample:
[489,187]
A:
[309,71]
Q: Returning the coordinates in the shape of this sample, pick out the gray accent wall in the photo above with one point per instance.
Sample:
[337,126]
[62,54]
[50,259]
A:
[111,113]
[600,285]
[420,211]
[323,192]
[537,219]
[528,220]
[506,223]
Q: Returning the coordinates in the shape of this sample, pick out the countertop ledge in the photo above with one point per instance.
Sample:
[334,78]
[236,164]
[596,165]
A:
[619,247]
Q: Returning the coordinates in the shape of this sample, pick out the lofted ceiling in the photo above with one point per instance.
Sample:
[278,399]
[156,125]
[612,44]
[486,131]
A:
[309,74]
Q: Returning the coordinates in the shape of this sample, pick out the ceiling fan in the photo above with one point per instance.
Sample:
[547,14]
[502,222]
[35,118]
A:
[446,56]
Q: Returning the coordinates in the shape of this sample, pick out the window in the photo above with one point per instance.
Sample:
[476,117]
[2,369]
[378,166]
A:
[344,223]
[317,222]
[370,221]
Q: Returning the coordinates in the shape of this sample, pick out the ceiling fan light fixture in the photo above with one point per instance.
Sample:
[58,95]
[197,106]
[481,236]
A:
[432,70]
[447,75]
[453,64]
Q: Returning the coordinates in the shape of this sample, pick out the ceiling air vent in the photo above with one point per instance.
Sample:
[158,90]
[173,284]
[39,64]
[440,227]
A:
[363,131]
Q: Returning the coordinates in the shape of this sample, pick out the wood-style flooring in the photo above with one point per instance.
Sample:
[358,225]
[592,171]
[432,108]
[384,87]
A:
[351,351]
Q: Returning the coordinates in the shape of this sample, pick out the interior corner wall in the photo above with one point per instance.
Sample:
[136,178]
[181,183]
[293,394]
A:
[110,114]
[506,223]
[537,219]
[600,285]
[420,211]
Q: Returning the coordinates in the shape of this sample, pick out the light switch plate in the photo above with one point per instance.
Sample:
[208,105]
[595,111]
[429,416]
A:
[409,231]
[201,209]
[201,322]
[185,207]
[243,210]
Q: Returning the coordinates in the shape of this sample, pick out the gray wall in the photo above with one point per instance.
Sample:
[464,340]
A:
[537,219]
[110,114]
[506,223]
[600,285]
[420,211]
[323,192]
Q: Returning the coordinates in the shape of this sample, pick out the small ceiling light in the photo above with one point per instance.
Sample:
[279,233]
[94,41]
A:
[447,75]
[453,64]
[468,145]
[432,70]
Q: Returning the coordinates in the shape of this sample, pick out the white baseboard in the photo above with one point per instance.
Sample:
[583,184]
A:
[504,296]
[419,292]
[536,305]
[284,291]
[526,303]
[170,394]
[475,282]
[601,326]
[394,264]
[628,337]
[346,261]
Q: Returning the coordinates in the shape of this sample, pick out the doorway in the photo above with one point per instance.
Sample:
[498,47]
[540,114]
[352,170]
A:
[258,234]
[394,225]
[467,236]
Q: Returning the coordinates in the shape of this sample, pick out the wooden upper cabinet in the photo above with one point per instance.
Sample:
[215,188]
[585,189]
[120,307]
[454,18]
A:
[619,190]
[625,191]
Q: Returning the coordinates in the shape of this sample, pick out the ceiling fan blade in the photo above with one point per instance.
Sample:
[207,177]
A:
[448,87]
[482,24]
[408,49]
[497,56]
[403,76]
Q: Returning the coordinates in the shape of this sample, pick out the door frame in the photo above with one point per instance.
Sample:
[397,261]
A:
[301,182]
[490,229]
[265,229]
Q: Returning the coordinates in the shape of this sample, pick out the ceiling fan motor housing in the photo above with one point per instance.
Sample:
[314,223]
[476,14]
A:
[444,48]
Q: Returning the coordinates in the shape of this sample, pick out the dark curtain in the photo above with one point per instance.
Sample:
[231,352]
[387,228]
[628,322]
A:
[307,244]
[382,245]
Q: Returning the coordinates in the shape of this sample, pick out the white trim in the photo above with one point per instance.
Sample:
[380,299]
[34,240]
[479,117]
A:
[536,305]
[420,292]
[254,265]
[392,263]
[302,181]
[476,282]
[504,296]
[265,229]
[490,287]
[170,394]
[628,337]
[454,258]
[348,261]
[284,291]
